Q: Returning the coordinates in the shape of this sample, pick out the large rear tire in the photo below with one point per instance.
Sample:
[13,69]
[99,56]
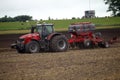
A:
[59,44]
[32,47]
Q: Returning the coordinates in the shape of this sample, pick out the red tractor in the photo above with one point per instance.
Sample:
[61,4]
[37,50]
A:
[44,38]
[41,38]
[83,36]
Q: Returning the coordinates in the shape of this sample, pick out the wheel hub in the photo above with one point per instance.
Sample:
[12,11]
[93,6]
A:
[61,44]
[33,48]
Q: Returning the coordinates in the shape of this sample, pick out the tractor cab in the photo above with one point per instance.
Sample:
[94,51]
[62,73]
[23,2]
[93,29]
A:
[43,29]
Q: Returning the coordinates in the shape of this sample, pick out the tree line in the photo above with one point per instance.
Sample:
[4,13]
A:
[21,18]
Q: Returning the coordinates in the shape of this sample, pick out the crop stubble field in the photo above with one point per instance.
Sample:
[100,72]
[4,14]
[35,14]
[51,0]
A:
[84,64]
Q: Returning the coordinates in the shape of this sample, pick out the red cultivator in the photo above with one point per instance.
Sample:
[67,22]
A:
[114,40]
[83,36]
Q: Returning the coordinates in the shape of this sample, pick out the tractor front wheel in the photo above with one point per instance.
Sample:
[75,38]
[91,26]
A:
[32,47]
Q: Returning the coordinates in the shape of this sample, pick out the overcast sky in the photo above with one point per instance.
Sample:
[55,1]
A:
[42,9]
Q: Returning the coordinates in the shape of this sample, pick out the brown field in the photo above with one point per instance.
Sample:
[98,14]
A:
[84,64]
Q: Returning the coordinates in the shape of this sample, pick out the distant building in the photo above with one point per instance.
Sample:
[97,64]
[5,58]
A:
[90,14]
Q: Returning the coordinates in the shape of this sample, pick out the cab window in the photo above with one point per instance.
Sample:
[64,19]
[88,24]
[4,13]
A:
[39,29]
[49,29]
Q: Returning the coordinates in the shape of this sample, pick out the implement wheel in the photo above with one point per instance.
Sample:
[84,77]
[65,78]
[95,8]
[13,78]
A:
[88,43]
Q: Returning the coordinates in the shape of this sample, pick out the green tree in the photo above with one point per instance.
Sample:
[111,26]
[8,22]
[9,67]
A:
[49,18]
[4,19]
[22,18]
[73,18]
[114,6]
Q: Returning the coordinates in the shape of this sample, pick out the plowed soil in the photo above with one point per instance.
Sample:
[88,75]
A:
[85,64]
[7,40]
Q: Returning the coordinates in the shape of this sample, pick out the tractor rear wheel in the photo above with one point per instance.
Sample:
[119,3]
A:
[59,43]
[32,47]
